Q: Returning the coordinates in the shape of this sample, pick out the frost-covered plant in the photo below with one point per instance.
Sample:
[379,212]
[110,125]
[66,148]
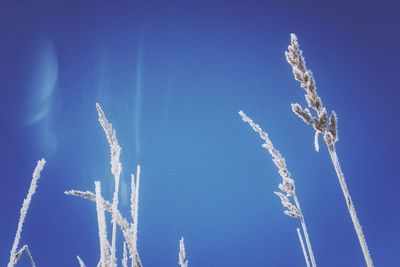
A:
[322,125]
[116,169]
[14,254]
[129,230]
[182,254]
[287,187]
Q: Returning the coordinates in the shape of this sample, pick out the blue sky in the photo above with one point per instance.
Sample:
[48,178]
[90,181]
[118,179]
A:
[171,77]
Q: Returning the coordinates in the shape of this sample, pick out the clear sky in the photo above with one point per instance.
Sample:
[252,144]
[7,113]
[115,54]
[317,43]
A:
[171,76]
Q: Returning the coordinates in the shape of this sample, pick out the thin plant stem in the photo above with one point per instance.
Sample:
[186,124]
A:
[102,226]
[135,185]
[125,257]
[81,263]
[350,205]
[303,248]
[305,232]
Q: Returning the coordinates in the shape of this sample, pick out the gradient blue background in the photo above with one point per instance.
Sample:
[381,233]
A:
[171,77]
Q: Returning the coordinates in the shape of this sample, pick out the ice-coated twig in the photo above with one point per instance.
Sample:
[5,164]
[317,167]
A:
[183,262]
[303,248]
[24,211]
[81,263]
[287,187]
[116,168]
[104,259]
[322,125]
[25,249]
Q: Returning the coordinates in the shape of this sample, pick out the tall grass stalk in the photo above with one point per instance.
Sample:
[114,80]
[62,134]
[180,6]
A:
[116,168]
[129,230]
[183,262]
[326,127]
[287,187]
[303,248]
[14,255]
